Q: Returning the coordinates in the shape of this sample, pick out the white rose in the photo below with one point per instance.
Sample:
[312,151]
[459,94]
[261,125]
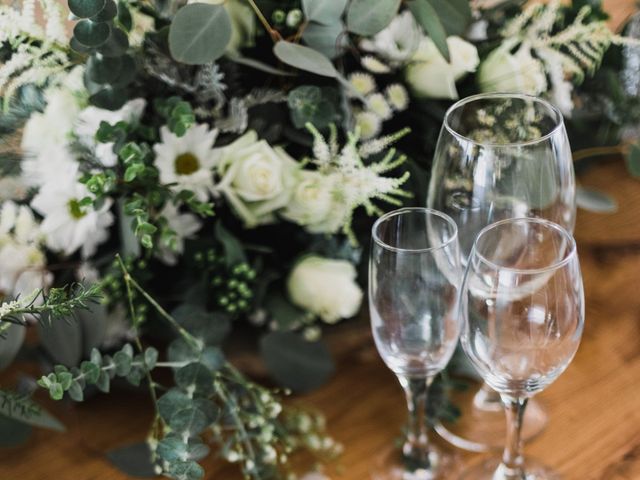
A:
[398,41]
[325,287]
[503,71]
[312,199]
[431,76]
[257,179]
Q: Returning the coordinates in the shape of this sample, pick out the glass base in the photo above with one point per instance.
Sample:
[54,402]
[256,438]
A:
[489,469]
[482,426]
[390,465]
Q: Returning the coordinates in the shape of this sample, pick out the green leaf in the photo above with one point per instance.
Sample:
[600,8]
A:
[199,33]
[455,15]
[75,392]
[327,12]
[55,391]
[367,17]
[427,16]
[104,69]
[109,98]
[294,362]
[123,360]
[124,16]
[312,104]
[86,8]
[186,471]
[104,382]
[13,433]
[90,371]
[595,201]
[209,327]
[633,160]
[284,313]
[109,11]
[188,421]
[233,250]
[24,410]
[258,65]
[326,39]
[116,45]
[195,377]
[134,460]
[304,58]
[150,358]
[91,34]
[171,402]
[65,379]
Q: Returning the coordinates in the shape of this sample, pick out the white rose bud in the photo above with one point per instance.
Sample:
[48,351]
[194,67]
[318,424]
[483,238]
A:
[257,178]
[431,76]
[325,287]
[311,200]
[503,71]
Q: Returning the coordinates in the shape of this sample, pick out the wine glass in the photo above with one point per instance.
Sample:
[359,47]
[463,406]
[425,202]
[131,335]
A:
[414,280]
[522,305]
[499,156]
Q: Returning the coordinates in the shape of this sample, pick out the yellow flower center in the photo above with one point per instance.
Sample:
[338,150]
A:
[186,163]
[75,210]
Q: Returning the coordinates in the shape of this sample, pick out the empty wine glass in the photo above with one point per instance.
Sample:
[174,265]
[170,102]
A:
[499,156]
[414,280]
[522,305]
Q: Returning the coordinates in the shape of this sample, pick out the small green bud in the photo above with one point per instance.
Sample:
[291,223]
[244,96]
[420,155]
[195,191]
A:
[294,17]
[278,16]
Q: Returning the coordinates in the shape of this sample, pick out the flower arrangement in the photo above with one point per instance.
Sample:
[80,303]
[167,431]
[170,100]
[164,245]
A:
[219,162]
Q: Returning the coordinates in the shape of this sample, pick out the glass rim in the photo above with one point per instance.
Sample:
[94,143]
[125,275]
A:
[559,119]
[556,265]
[405,210]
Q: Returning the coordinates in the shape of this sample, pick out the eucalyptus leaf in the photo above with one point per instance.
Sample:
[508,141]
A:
[86,8]
[13,433]
[24,410]
[296,363]
[233,250]
[326,39]
[304,58]
[633,160]
[258,65]
[595,201]
[368,17]
[188,421]
[108,13]
[104,69]
[109,98]
[455,15]
[427,16]
[91,34]
[172,401]
[195,377]
[209,327]
[124,16]
[134,460]
[199,33]
[326,12]
[116,45]
[10,344]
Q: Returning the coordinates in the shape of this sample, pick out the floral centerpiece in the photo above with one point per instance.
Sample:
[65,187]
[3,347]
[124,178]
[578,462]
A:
[199,173]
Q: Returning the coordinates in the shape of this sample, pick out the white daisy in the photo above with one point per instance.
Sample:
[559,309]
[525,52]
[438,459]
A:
[68,226]
[185,225]
[188,161]
[371,63]
[369,124]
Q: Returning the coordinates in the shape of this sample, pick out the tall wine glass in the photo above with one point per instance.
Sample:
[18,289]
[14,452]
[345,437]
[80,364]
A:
[522,304]
[499,156]
[414,280]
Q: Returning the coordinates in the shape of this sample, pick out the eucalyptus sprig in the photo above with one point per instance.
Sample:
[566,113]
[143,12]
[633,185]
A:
[210,404]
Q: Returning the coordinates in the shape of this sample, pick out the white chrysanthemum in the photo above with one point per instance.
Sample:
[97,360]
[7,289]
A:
[363,83]
[39,169]
[22,263]
[67,226]
[397,97]
[398,41]
[188,161]
[89,121]
[371,63]
[369,124]
[503,71]
[377,104]
[186,225]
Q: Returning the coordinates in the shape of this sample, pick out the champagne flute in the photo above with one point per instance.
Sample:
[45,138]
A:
[522,305]
[414,280]
[499,156]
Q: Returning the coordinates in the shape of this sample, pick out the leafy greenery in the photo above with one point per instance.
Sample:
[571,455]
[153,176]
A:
[23,409]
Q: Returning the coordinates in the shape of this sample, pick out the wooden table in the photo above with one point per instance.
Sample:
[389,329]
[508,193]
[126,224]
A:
[594,432]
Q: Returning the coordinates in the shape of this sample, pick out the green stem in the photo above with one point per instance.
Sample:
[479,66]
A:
[275,35]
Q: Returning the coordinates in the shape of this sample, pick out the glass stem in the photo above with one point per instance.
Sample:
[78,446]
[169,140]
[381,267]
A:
[416,446]
[512,459]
